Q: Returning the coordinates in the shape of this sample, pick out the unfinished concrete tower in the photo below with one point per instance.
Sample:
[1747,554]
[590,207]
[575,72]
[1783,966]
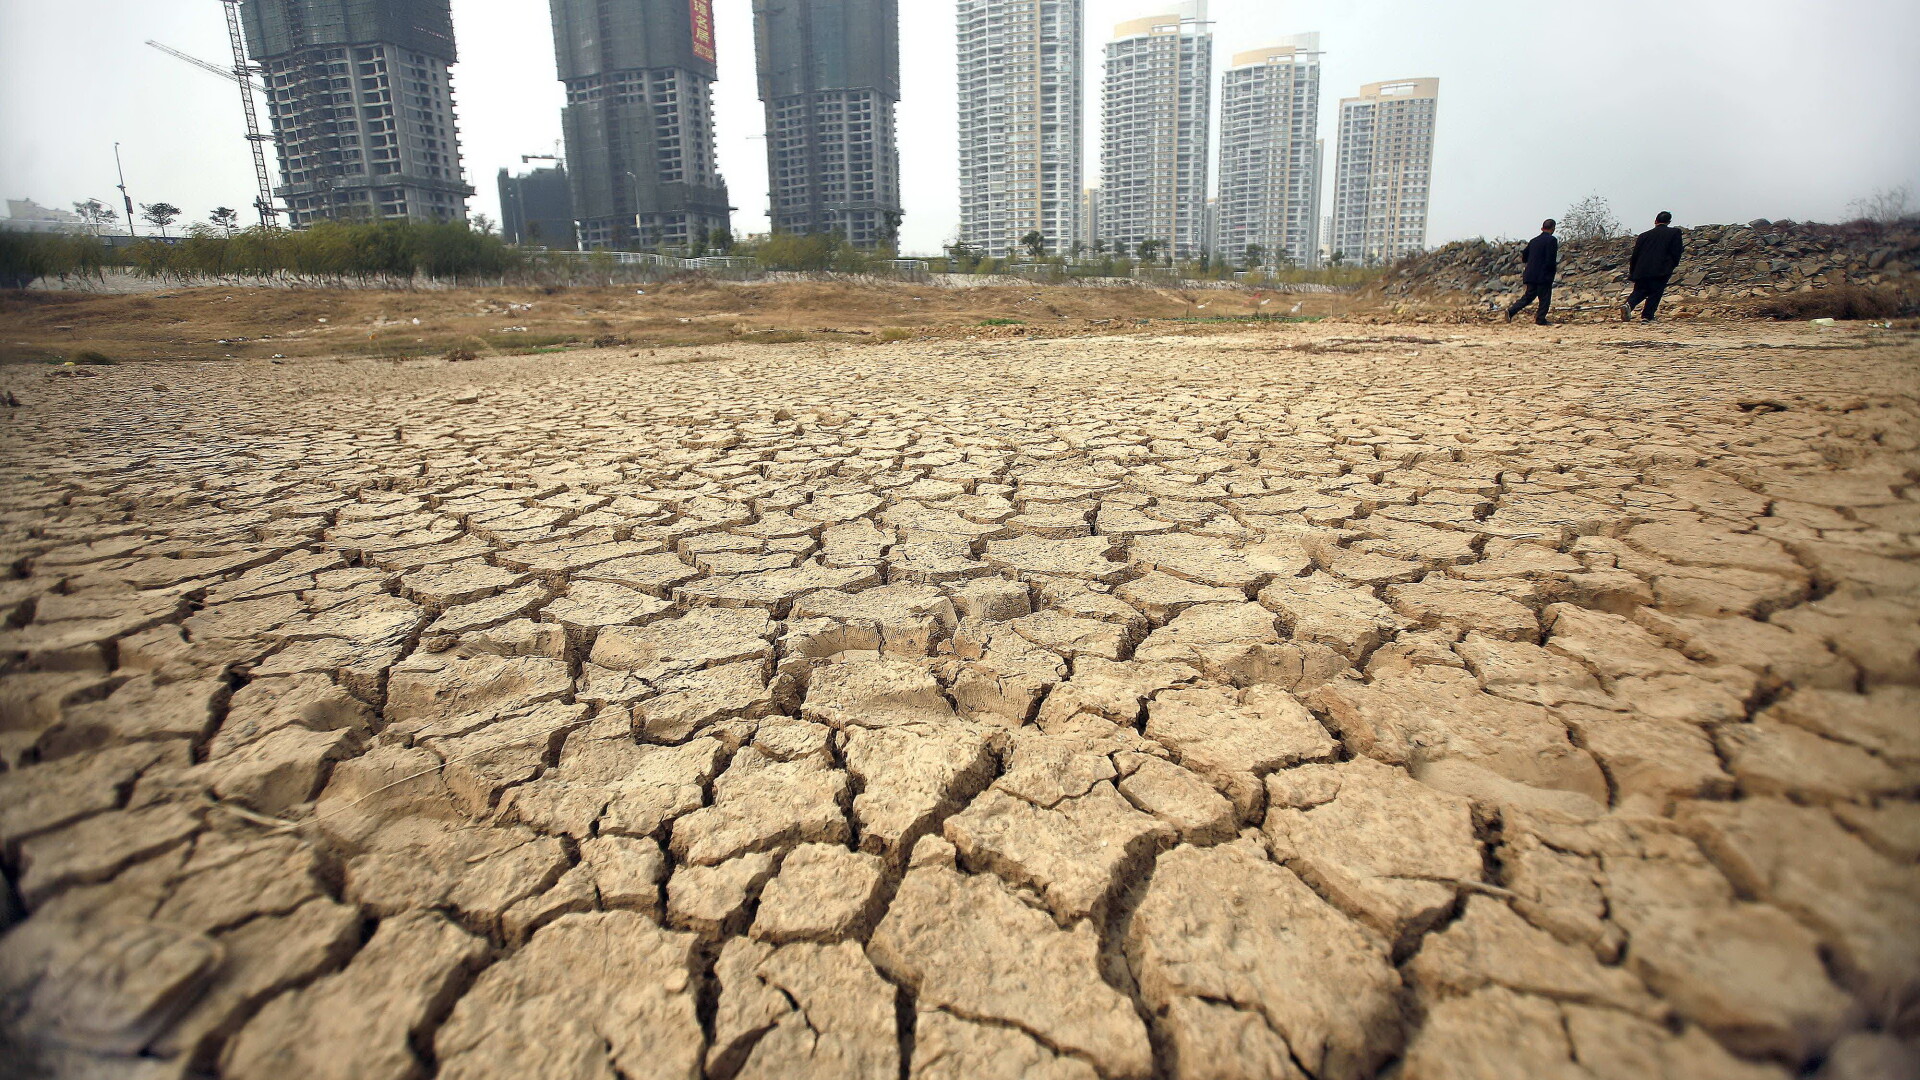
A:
[830,78]
[1020,123]
[639,121]
[360,93]
[536,208]
[1385,172]
[1270,154]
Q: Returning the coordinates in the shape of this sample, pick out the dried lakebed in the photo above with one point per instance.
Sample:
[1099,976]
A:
[1319,703]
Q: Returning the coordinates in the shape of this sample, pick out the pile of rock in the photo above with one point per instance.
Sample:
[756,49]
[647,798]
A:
[1727,268]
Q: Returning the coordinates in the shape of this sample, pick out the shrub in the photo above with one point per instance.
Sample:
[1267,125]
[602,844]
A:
[93,358]
[896,333]
[1835,302]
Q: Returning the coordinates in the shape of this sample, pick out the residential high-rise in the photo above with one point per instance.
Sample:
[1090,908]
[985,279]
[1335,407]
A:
[1385,171]
[1089,233]
[360,93]
[830,78]
[1020,122]
[639,121]
[1270,153]
[1157,111]
[537,209]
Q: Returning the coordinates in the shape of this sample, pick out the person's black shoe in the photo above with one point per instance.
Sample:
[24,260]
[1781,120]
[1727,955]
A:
[1510,314]
[1541,322]
[1626,312]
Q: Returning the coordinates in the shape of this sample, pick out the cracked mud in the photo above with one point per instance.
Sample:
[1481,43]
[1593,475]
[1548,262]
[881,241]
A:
[1279,705]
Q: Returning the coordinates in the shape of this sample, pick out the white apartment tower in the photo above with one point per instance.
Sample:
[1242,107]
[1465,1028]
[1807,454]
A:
[1385,170]
[1020,123]
[1270,153]
[1089,234]
[1157,111]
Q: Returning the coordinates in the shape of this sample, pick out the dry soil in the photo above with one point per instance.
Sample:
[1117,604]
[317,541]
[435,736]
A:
[1314,701]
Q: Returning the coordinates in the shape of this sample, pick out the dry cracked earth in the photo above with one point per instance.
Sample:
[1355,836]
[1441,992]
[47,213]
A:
[1277,706]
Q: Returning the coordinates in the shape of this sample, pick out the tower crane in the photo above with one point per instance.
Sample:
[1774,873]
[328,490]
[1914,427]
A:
[241,73]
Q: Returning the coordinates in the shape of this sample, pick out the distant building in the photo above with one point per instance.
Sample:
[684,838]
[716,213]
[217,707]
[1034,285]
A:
[1020,122]
[25,215]
[536,209]
[830,79]
[360,93]
[1090,218]
[1384,174]
[1270,153]
[639,120]
[1156,114]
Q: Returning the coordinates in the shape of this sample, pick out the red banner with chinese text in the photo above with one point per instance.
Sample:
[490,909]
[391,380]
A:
[703,46]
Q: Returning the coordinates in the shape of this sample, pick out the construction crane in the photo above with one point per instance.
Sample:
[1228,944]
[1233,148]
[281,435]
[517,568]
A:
[241,73]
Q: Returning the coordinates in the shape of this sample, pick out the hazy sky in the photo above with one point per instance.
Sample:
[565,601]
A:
[1720,110]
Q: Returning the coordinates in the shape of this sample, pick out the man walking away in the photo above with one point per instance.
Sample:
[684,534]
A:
[1655,257]
[1543,260]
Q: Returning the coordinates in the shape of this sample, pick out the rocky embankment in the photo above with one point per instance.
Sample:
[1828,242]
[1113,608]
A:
[1728,270]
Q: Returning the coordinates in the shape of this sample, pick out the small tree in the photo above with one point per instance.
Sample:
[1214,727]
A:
[1149,250]
[482,224]
[1885,206]
[1035,243]
[1253,257]
[96,214]
[720,240]
[1120,249]
[159,215]
[1338,258]
[225,218]
[1590,219]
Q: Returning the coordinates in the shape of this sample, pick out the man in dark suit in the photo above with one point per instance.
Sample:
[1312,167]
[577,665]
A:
[1543,261]
[1655,257]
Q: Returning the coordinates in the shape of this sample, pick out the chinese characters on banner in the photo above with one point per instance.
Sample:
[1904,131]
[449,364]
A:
[703,30]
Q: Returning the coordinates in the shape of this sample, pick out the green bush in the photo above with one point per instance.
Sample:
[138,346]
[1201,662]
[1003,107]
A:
[27,257]
[360,250]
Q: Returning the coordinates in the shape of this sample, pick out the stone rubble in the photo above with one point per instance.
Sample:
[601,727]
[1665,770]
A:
[1275,707]
[1725,268]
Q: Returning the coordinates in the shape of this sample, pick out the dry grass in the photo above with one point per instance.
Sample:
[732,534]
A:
[1836,302]
[211,323]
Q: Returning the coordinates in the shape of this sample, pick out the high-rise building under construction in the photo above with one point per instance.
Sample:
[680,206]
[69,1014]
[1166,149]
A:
[1020,123]
[360,94]
[830,78]
[639,121]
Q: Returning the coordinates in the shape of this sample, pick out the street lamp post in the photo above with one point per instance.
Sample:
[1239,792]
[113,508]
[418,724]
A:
[124,197]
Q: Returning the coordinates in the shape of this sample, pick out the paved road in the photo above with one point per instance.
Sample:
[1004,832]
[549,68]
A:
[1330,701]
